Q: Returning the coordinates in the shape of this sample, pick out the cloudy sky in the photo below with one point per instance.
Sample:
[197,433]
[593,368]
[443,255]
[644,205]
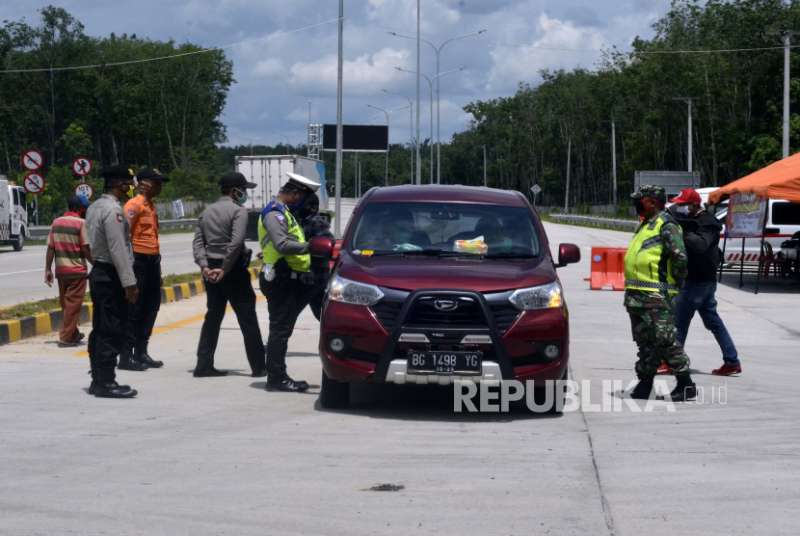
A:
[279,70]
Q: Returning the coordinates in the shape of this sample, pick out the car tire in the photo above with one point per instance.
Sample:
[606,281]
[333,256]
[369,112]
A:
[334,394]
[558,396]
[19,241]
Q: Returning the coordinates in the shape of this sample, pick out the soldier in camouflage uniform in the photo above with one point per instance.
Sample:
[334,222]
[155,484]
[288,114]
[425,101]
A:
[655,267]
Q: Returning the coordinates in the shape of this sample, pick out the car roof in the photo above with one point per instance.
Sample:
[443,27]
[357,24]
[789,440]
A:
[447,193]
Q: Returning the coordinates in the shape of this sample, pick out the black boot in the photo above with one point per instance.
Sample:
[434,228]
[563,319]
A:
[143,356]
[111,390]
[684,390]
[285,383]
[209,373]
[127,362]
[643,389]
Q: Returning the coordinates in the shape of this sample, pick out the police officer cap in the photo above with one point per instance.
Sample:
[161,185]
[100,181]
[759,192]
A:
[235,179]
[655,192]
[151,174]
[302,183]
[116,172]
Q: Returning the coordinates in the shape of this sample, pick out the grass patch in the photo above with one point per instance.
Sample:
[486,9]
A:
[31,308]
[176,279]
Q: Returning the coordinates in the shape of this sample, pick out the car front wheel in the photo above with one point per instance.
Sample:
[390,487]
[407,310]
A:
[334,394]
[19,241]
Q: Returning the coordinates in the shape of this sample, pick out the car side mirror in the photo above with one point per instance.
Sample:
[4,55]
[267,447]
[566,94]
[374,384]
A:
[568,254]
[321,246]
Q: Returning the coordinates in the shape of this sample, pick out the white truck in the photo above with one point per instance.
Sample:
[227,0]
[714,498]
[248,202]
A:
[269,173]
[13,214]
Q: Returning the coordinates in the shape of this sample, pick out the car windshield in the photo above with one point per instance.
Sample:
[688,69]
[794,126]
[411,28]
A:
[446,229]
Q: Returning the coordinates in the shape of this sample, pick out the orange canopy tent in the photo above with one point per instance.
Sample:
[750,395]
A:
[780,180]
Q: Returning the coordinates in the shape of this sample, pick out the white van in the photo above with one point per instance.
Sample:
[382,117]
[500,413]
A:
[13,215]
[783,221]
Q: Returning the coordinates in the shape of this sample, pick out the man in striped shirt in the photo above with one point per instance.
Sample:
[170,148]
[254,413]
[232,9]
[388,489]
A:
[68,245]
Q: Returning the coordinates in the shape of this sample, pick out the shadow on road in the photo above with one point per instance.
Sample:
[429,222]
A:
[769,285]
[420,403]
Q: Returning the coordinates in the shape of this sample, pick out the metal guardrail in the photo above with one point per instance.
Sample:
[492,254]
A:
[40,232]
[596,221]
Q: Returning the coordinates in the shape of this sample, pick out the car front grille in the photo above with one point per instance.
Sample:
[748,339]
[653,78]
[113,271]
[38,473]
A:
[468,314]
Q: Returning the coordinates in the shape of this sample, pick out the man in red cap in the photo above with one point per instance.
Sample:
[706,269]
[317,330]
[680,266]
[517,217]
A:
[701,232]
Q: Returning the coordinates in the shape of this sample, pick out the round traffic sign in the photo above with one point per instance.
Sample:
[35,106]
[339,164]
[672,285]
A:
[85,190]
[32,160]
[81,166]
[33,183]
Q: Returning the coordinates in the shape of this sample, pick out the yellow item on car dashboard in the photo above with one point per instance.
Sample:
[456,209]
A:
[476,246]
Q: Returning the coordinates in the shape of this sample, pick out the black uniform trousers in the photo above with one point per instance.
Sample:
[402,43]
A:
[286,299]
[142,315]
[109,321]
[237,289]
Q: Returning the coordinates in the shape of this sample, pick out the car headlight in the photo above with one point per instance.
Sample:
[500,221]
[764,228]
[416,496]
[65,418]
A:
[346,291]
[542,297]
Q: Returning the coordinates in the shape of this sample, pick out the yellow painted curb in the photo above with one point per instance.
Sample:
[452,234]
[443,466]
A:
[186,291]
[169,293]
[43,323]
[14,330]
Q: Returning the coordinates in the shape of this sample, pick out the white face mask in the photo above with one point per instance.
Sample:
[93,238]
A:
[683,210]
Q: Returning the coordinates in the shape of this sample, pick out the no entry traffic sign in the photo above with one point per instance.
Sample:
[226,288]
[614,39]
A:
[32,160]
[33,183]
[85,190]
[81,166]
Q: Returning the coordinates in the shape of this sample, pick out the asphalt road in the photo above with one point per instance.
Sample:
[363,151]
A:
[222,456]
[22,273]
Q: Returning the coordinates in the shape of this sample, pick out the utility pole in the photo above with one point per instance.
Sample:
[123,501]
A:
[689,156]
[614,161]
[485,182]
[787,68]
[569,169]
[419,49]
[339,133]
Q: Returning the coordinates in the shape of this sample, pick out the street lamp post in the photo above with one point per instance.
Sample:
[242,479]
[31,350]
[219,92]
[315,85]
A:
[386,168]
[430,85]
[339,135]
[414,143]
[438,51]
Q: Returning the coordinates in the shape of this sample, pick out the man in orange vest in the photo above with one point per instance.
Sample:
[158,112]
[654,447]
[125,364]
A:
[143,219]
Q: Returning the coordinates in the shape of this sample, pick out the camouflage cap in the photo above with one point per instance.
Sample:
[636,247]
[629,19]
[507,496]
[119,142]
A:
[656,192]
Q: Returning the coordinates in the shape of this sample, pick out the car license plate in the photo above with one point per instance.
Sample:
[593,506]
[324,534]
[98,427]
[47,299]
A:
[441,362]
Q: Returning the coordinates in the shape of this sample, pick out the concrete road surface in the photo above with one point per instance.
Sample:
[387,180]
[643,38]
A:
[223,456]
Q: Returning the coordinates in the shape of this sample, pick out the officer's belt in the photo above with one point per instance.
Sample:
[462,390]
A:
[648,284]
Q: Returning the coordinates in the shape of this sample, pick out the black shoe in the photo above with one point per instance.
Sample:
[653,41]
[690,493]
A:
[685,389]
[209,373]
[141,354]
[149,361]
[127,362]
[259,373]
[288,385]
[111,390]
[643,389]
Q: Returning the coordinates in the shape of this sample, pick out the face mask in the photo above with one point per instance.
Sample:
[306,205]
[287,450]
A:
[683,210]
[639,204]
[240,197]
[295,207]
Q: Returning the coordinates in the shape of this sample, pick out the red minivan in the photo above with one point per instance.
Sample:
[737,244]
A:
[438,283]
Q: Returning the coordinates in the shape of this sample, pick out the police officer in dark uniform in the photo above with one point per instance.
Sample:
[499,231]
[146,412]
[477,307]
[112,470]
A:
[112,282]
[286,279]
[220,252]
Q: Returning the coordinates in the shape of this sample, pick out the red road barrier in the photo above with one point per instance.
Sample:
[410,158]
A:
[607,269]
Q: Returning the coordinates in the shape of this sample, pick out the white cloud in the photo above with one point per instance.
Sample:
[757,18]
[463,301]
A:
[560,44]
[269,67]
[365,75]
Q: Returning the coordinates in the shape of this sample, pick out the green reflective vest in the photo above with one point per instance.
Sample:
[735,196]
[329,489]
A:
[298,263]
[648,267]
